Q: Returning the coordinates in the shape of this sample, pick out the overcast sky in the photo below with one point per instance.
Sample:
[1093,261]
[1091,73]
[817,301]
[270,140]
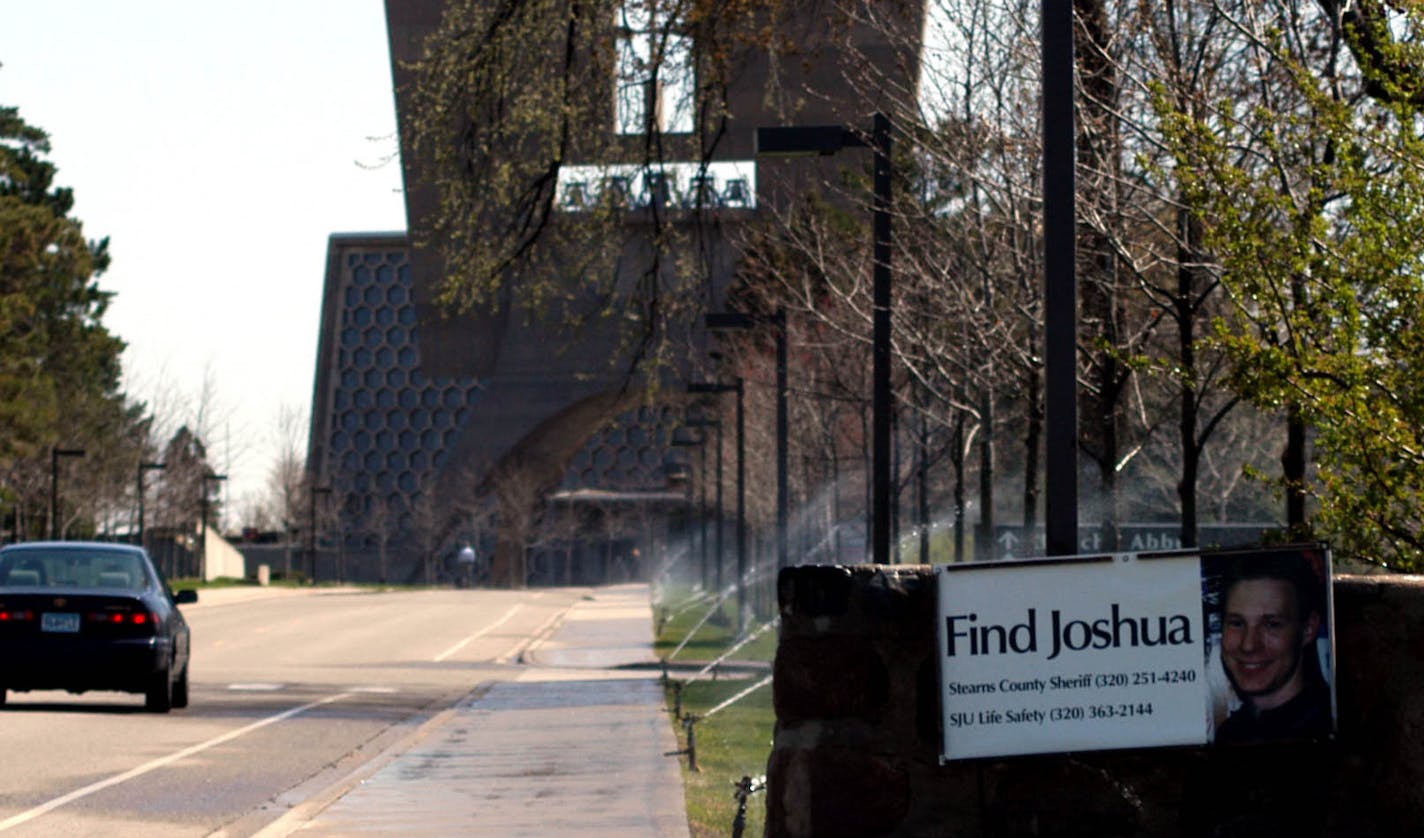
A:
[217,145]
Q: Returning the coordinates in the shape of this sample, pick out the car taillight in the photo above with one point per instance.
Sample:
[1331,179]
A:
[17,616]
[141,619]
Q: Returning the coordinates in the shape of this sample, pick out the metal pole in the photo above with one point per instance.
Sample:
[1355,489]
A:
[55,452]
[140,505]
[1060,293]
[203,525]
[880,400]
[783,493]
[53,493]
[721,525]
[741,509]
[203,532]
[923,473]
[702,510]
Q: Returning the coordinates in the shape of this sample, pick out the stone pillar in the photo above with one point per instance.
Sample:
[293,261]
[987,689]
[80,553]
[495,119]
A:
[856,750]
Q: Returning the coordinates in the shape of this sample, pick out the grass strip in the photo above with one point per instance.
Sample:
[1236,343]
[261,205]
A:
[736,741]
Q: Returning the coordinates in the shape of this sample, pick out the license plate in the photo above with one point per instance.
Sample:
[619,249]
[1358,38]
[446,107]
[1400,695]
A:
[66,623]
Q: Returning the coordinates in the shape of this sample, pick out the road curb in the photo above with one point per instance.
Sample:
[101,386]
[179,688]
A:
[393,742]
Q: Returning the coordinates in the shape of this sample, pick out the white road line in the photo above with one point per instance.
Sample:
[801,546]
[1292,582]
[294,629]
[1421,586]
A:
[477,635]
[255,688]
[44,808]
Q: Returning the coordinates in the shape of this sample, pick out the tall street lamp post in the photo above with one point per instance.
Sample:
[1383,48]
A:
[54,454]
[203,524]
[716,424]
[1060,284]
[825,140]
[144,467]
[311,526]
[702,422]
[679,441]
[740,390]
[733,320]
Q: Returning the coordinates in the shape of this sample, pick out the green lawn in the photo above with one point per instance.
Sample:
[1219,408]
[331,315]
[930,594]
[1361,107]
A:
[735,741]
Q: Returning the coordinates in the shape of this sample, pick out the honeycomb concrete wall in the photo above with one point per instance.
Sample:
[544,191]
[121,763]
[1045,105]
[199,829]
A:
[381,427]
[384,430]
[856,749]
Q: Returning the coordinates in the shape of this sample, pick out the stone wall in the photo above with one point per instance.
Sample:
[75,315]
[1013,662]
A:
[856,751]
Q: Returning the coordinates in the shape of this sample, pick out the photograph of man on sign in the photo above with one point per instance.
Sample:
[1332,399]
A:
[1269,634]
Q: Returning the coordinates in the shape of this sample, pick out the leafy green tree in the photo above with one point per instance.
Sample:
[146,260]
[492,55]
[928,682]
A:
[1313,202]
[59,365]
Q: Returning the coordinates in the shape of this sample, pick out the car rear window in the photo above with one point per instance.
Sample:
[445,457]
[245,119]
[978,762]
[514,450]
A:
[114,570]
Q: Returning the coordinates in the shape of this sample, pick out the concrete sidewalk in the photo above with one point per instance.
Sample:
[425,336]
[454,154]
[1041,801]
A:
[573,746]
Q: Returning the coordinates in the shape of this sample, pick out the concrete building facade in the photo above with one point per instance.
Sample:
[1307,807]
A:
[433,428]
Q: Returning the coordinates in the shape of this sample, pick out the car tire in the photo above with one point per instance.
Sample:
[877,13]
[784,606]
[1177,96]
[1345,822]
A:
[180,690]
[159,697]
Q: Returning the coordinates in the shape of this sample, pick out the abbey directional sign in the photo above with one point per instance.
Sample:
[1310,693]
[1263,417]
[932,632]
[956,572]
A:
[1107,652]
[1016,541]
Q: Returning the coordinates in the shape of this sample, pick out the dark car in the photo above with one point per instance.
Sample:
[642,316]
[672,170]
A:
[78,616]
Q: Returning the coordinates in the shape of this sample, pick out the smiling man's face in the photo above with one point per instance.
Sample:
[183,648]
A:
[1263,637]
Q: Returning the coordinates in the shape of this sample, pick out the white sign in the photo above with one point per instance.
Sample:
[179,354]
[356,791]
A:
[1126,651]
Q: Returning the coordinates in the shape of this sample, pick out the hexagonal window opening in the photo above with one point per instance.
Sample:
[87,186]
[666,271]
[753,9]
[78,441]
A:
[395,295]
[385,399]
[372,379]
[361,275]
[397,420]
[361,441]
[385,316]
[362,399]
[395,336]
[409,399]
[407,482]
[372,337]
[409,441]
[419,419]
[373,462]
[385,357]
[350,337]
[361,316]
[420,461]
[395,378]
[372,296]
[361,358]
[407,356]
[385,440]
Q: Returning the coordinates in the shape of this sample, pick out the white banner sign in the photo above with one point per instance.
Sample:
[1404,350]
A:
[1121,651]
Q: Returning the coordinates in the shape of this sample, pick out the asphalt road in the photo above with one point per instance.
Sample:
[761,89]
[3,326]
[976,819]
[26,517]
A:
[290,692]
